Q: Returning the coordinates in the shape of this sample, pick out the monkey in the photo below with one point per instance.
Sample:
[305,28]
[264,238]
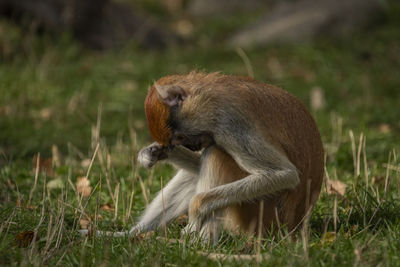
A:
[258,143]
[237,143]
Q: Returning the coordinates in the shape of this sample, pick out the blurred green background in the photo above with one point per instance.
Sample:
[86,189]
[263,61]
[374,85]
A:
[61,94]
[51,86]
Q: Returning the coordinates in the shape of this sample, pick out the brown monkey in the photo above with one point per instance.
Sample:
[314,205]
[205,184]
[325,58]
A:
[258,143]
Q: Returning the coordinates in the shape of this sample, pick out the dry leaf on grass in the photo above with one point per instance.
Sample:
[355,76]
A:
[142,236]
[19,204]
[377,180]
[335,187]
[384,128]
[24,239]
[107,207]
[84,223]
[83,186]
[85,163]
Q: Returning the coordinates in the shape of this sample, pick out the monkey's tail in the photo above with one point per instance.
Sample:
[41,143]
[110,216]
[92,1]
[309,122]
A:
[86,232]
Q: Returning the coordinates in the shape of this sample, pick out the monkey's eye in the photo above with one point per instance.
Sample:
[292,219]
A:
[180,100]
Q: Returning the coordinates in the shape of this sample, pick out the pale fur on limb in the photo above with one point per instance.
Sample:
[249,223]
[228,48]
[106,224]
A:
[174,200]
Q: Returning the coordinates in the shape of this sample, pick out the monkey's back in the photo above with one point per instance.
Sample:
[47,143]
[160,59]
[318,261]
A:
[278,117]
[283,121]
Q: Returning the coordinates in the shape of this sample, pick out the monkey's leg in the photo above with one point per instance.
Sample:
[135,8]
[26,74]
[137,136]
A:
[217,168]
[175,198]
[169,204]
[269,173]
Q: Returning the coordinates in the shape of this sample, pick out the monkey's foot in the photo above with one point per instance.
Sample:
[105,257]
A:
[208,233]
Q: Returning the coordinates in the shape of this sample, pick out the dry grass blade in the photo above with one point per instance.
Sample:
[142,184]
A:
[387,174]
[366,174]
[93,157]
[260,223]
[164,223]
[144,192]
[353,149]
[246,61]
[36,178]
[116,196]
[40,220]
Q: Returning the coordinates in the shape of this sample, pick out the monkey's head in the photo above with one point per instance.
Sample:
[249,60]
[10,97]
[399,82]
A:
[162,101]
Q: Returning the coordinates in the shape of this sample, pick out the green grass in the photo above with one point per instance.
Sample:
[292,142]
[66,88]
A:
[55,93]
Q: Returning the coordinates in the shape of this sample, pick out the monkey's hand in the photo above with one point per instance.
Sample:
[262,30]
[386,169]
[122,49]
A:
[149,156]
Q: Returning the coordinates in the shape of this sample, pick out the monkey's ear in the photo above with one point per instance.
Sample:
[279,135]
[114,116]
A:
[171,94]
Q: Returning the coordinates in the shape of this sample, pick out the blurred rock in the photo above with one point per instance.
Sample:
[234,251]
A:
[221,7]
[303,20]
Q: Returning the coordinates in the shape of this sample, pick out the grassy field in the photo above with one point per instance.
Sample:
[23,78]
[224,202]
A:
[77,113]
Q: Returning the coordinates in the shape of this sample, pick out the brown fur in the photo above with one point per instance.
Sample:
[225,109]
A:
[157,115]
[279,117]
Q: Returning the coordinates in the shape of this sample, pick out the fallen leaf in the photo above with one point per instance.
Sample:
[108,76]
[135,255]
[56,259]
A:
[107,207]
[85,163]
[139,237]
[384,128]
[84,223]
[19,204]
[24,239]
[46,113]
[335,187]
[328,238]
[146,235]
[378,180]
[98,217]
[83,186]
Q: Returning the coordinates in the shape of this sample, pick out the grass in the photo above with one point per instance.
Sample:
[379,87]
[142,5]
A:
[60,101]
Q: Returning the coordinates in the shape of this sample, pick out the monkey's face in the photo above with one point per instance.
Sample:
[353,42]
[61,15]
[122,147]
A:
[194,142]
[164,127]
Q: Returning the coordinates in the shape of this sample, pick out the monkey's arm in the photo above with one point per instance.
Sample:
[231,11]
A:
[169,203]
[269,172]
[179,156]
